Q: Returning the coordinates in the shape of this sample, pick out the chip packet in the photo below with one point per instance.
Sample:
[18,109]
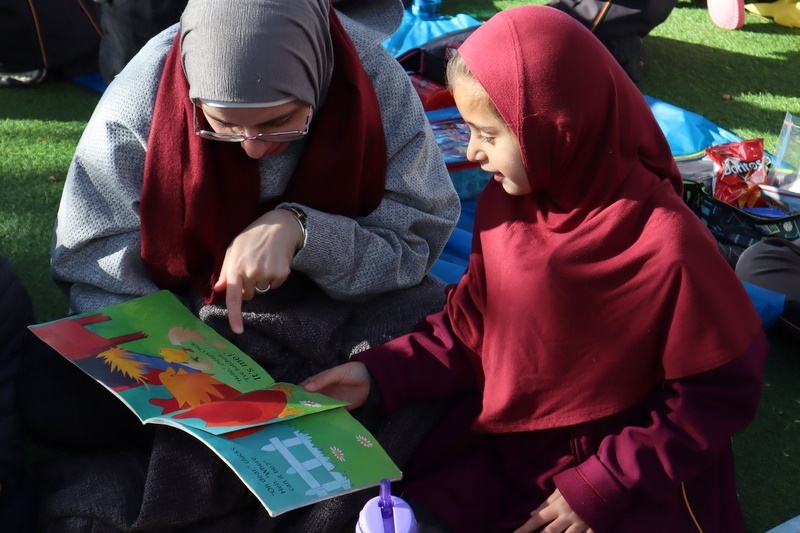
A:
[739,169]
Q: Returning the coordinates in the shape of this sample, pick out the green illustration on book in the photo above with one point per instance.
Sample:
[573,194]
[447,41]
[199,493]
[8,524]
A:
[289,446]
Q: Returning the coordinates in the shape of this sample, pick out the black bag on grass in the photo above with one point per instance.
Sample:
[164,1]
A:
[735,229]
[430,59]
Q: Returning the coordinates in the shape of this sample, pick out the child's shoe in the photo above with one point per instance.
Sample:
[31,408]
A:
[22,79]
[727,14]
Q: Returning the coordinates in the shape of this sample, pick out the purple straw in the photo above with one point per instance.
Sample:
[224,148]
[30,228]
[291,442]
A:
[387,506]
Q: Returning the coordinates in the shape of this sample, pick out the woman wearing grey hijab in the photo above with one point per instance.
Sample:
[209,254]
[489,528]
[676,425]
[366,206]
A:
[270,163]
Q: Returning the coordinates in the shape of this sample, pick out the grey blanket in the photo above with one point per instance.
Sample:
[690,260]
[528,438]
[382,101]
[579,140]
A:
[180,485]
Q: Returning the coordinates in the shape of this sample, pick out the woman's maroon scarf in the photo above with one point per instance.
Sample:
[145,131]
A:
[582,296]
[199,194]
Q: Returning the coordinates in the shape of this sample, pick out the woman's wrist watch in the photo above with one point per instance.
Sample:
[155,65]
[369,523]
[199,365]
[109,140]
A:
[300,217]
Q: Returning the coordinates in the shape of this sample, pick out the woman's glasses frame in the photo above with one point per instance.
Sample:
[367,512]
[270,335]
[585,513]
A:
[275,136]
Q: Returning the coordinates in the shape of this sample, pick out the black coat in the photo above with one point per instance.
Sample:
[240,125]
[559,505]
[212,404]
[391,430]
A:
[16,313]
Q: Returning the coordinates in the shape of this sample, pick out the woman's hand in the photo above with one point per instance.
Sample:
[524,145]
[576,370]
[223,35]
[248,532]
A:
[260,256]
[554,515]
[348,382]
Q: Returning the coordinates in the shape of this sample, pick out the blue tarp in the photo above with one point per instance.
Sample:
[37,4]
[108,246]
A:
[791,526]
[687,133]
[769,304]
[423,23]
[93,80]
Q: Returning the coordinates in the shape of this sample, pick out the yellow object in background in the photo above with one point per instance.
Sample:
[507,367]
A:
[783,12]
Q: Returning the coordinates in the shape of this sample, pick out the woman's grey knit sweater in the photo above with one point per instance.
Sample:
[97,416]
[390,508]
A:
[96,247]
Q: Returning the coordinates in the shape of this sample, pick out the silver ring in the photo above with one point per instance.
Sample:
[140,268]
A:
[262,291]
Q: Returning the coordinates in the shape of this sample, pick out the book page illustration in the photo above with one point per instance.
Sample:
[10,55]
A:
[306,459]
[291,447]
[180,367]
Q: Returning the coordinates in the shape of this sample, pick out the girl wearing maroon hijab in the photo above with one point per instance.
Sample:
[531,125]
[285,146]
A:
[613,350]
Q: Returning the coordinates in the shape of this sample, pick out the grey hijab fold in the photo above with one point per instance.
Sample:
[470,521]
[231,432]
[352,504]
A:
[257,51]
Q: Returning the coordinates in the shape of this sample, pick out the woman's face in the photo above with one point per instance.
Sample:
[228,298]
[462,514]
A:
[491,142]
[250,121]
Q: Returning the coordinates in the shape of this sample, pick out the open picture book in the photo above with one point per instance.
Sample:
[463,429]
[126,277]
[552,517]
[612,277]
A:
[289,446]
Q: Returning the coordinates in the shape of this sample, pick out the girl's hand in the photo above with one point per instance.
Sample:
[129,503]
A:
[260,256]
[348,382]
[555,516]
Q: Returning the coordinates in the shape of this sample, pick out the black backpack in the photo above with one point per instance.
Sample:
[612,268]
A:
[430,59]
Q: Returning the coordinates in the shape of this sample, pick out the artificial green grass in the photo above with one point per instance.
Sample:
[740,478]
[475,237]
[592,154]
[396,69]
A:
[767,453]
[743,80]
[39,129]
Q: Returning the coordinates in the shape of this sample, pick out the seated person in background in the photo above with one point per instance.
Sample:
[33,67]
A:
[47,40]
[270,163]
[620,26]
[613,350]
[774,264]
[127,25]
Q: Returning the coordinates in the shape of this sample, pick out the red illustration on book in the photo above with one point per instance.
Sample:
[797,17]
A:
[249,408]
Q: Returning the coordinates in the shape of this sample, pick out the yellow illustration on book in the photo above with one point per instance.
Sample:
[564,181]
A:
[175,355]
[119,361]
[188,385]
[197,391]
[132,366]
[188,389]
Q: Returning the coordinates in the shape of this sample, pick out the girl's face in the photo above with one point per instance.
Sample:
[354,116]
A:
[491,142]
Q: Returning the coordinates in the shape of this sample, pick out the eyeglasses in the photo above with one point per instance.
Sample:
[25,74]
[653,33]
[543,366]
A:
[276,136]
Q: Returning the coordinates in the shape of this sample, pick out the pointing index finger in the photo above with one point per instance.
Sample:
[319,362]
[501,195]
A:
[233,301]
